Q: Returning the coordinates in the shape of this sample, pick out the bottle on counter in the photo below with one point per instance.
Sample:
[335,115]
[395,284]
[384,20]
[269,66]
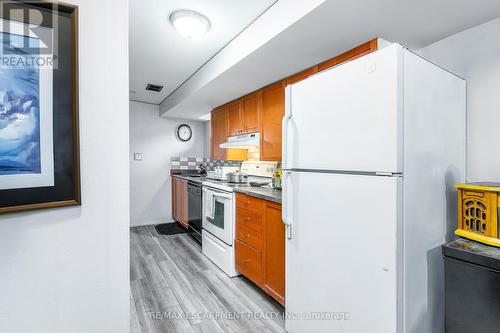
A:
[276,181]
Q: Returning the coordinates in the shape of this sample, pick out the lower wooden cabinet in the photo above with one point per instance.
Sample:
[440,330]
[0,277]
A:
[179,201]
[274,255]
[250,236]
[260,244]
[175,211]
[249,262]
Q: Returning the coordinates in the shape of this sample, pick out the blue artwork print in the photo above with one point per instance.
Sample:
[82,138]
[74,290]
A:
[19,114]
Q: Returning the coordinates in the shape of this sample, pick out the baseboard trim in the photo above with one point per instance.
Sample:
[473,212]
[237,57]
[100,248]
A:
[149,223]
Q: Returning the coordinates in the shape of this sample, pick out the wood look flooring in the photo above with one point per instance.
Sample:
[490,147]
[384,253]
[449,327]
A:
[175,288]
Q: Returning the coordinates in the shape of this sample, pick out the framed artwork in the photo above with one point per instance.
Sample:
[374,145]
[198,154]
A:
[39,138]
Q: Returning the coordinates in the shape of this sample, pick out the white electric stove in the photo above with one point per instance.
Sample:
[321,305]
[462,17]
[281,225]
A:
[219,213]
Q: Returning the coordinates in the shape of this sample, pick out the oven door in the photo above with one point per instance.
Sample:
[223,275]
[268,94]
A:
[221,225]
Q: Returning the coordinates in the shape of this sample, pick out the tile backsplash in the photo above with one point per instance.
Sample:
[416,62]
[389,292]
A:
[254,154]
[190,163]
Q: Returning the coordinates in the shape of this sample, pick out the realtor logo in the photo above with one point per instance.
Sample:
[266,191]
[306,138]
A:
[28,35]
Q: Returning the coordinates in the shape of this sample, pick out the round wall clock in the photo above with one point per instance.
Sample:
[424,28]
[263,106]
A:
[184,132]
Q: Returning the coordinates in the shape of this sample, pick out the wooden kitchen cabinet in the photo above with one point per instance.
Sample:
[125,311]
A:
[244,115]
[248,262]
[251,112]
[260,244]
[273,110]
[218,132]
[175,210]
[234,118]
[183,216]
[274,252]
[180,201]
[250,204]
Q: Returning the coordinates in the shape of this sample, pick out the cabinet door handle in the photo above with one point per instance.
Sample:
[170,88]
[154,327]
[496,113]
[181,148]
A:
[246,219]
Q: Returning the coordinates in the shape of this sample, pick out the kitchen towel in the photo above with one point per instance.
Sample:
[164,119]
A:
[209,204]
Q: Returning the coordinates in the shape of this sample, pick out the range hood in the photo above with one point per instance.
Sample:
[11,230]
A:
[242,141]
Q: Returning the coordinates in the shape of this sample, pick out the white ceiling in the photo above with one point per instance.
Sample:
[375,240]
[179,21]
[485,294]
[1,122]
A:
[159,55]
[331,28]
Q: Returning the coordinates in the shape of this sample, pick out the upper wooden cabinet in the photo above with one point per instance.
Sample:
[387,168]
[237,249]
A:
[219,132]
[251,112]
[234,118]
[273,110]
[244,115]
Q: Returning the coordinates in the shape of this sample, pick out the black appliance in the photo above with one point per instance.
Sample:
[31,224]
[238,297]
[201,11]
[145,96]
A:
[194,210]
[472,287]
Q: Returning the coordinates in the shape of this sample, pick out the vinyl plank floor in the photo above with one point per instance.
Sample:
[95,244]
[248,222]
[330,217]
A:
[175,288]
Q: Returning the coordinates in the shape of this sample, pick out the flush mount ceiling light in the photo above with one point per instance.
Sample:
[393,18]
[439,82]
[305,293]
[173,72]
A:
[189,24]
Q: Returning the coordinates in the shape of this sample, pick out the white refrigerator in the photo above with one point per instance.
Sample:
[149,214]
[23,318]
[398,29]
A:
[371,152]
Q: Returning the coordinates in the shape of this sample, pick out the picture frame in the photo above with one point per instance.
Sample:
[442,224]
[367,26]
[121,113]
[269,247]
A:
[39,119]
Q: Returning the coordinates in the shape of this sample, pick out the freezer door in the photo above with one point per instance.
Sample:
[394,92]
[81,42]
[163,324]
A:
[341,259]
[347,118]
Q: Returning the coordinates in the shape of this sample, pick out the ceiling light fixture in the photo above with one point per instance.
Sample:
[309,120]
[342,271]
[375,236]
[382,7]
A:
[189,24]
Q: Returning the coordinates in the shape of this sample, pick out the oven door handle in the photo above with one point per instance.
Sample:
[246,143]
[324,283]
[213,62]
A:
[219,195]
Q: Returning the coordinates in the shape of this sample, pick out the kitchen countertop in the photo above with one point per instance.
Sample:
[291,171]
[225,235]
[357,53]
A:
[192,179]
[265,193]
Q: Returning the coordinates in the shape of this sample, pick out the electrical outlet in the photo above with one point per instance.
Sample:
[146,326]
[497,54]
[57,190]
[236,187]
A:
[137,156]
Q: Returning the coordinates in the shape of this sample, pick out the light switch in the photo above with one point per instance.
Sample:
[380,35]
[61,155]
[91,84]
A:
[137,156]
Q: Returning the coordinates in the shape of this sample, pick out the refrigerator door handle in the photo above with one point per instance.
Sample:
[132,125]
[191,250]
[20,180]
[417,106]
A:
[287,221]
[284,124]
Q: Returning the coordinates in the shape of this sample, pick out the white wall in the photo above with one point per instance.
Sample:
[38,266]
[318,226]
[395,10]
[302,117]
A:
[67,269]
[474,54]
[150,181]
[208,147]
